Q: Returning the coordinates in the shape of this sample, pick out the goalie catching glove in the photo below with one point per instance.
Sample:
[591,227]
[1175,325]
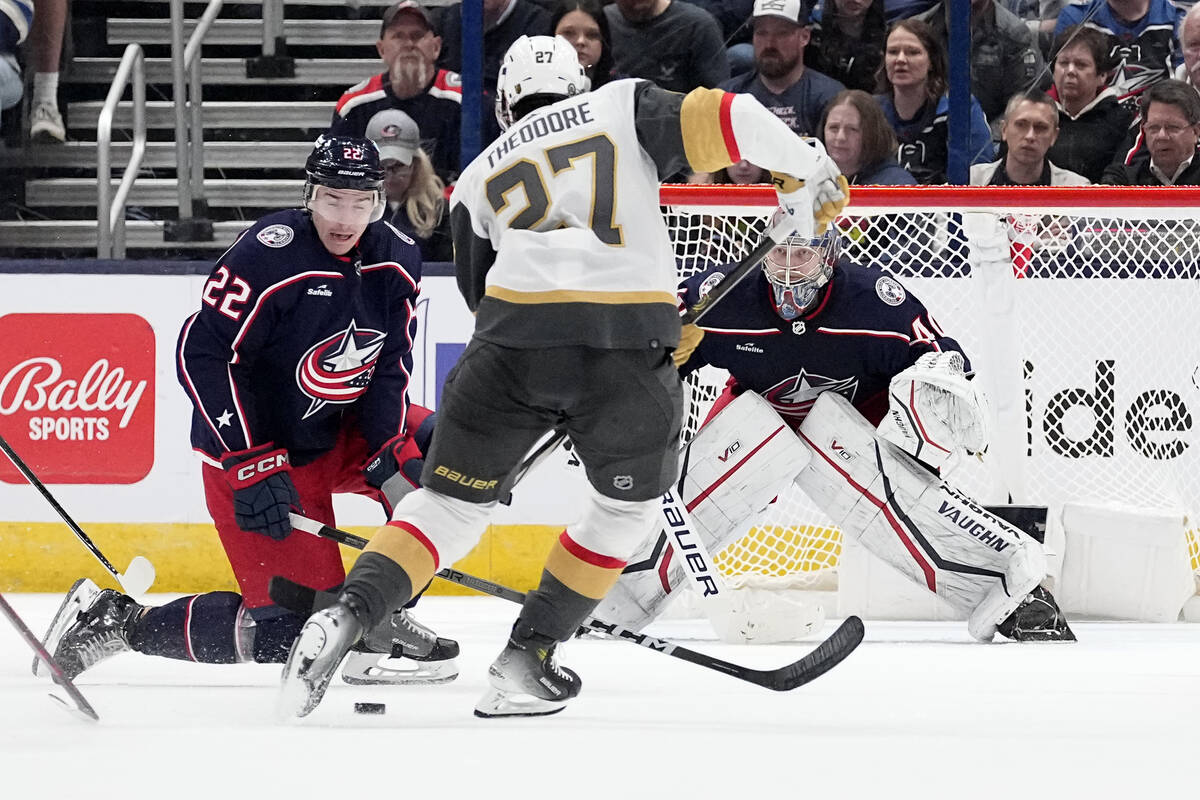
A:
[934,408]
[263,492]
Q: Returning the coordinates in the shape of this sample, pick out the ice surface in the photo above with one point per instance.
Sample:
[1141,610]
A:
[918,711]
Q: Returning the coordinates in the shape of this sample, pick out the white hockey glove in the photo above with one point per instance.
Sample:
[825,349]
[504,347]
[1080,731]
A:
[825,191]
[934,410]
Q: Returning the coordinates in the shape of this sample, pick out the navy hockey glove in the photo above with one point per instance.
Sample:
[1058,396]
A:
[395,470]
[263,492]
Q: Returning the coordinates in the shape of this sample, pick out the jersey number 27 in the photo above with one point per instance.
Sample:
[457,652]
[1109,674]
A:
[528,175]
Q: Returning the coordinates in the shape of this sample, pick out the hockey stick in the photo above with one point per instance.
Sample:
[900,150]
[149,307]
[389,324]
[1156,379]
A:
[137,577]
[78,706]
[827,655]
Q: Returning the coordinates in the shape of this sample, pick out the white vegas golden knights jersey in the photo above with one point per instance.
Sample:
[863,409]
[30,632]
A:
[559,238]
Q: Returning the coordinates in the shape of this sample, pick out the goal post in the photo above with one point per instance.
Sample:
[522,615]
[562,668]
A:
[1080,311]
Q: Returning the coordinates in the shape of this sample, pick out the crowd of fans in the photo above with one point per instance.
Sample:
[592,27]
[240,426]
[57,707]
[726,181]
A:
[1095,91]
[1061,92]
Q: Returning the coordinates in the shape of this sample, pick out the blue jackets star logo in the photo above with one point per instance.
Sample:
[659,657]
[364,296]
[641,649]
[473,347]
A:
[339,368]
[794,396]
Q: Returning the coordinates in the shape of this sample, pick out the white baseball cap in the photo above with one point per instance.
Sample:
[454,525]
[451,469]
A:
[792,10]
[395,134]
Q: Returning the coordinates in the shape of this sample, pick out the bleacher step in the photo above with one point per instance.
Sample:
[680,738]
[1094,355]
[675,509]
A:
[163,192]
[297,32]
[161,155]
[342,72]
[81,234]
[217,114]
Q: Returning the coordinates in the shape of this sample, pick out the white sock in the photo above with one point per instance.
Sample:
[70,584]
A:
[45,88]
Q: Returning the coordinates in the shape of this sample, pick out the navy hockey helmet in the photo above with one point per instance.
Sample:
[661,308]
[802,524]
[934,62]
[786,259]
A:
[798,267]
[345,162]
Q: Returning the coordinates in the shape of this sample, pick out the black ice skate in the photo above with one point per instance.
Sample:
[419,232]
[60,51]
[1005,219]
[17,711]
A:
[399,651]
[90,626]
[526,679]
[1037,619]
[318,650]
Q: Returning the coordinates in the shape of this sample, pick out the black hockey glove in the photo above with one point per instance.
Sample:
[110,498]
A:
[263,492]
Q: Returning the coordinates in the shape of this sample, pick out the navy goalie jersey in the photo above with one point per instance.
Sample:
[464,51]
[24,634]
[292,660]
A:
[863,328]
[290,339]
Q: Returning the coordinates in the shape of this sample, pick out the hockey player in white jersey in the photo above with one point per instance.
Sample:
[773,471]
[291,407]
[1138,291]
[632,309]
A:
[562,252]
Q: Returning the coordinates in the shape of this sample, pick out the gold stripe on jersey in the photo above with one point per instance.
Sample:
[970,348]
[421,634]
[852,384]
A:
[579,296]
[704,138]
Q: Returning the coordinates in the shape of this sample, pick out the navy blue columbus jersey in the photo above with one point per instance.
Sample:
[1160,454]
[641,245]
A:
[863,329]
[290,338]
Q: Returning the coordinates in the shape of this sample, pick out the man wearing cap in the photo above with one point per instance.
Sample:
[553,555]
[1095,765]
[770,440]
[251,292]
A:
[432,97]
[416,197]
[780,81]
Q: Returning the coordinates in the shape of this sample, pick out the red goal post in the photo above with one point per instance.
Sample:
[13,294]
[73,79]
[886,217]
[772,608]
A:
[1080,308]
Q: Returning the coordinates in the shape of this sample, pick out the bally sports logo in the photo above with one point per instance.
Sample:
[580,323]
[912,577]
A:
[77,396]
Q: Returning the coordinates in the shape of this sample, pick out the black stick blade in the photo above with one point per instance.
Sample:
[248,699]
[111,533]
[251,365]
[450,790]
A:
[825,657]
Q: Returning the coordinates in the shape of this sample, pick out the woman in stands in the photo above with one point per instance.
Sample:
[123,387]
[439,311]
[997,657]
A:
[913,83]
[858,138]
[1092,123]
[582,23]
[416,196]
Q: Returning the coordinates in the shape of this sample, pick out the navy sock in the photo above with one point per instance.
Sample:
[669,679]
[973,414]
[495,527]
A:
[200,627]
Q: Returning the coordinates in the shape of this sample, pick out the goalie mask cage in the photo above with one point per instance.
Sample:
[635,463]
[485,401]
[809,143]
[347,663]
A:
[1079,309]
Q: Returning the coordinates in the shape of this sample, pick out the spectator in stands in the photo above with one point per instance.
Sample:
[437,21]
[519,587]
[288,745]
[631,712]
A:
[1004,55]
[504,21]
[915,104]
[1092,123]
[673,43]
[1171,128]
[46,41]
[860,141]
[1189,40]
[583,24]
[847,41]
[1029,128]
[15,17]
[432,97]
[1040,16]
[416,197]
[1145,34]
[793,92]
[740,172]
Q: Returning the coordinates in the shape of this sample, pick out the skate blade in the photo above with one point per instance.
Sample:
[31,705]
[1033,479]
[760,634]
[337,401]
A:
[72,604]
[497,703]
[376,669]
[298,694]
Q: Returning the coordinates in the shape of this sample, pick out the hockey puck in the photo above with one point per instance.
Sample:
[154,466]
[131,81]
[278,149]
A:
[369,708]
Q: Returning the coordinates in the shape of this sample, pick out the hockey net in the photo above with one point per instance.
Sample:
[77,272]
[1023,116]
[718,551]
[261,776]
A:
[1080,309]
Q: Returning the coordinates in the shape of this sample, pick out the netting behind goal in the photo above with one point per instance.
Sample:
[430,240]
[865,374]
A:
[1080,309]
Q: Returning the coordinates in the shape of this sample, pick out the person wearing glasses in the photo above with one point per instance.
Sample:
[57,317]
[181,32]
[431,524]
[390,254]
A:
[1170,132]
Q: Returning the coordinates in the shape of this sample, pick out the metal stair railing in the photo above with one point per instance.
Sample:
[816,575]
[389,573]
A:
[110,208]
[193,223]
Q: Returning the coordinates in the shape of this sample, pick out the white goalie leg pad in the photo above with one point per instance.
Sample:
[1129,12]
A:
[753,615]
[932,533]
[732,470]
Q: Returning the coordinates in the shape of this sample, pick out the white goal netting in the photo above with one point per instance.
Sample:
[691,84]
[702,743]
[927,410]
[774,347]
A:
[1080,310]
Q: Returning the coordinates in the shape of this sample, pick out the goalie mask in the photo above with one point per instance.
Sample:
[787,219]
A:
[545,66]
[344,162]
[798,267]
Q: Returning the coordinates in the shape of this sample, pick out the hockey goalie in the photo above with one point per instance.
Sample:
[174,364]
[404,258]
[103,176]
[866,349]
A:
[879,399]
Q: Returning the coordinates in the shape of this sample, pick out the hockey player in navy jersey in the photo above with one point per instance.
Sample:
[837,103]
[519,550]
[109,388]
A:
[562,251]
[297,365]
[811,322]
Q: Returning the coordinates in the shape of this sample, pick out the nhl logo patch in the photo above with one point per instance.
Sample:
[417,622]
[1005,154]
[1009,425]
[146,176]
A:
[798,327]
[623,482]
[276,235]
[889,291]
